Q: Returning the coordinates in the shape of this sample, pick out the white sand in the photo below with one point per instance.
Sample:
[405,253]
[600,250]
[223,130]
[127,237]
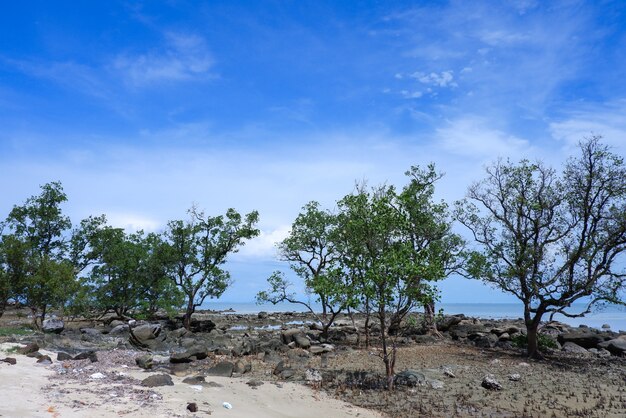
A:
[22,395]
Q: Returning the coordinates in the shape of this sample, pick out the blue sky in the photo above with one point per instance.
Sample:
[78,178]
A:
[143,108]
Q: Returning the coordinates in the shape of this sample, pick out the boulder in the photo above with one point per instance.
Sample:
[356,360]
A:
[224,368]
[145,336]
[409,378]
[61,356]
[90,331]
[302,341]
[616,346]
[119,329]
[322,348]
[90,354]
[195,352]
[54,326]
[9,360]
[290,334]
[145,362]
[30,348]
[570,347]
[201,324]
[449,321]
[157,380]
[583,339]
[262,315]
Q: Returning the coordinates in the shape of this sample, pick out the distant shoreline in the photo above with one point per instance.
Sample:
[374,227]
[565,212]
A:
[614,316]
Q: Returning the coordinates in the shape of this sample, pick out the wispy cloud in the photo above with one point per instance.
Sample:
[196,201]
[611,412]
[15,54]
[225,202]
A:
[606,120]
[473,137]
[184,57]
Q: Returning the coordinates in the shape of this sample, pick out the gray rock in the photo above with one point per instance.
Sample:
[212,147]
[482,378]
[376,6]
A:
[242,368]
[9,360]
[505,336]
[616,346]
[42,359]
[157,380]
[201,323]
[224,368]
[606,326]
[91,331]
[254,383]
[30,348]
[515,377]
[262,315]
[302,341]
[55,326]
[62,356]
[449,321]
[290,334]
[570,347]
[490,382]
[583,339]
[89,354]
[144,336]
[119,329]
[409,378]
[116,323]
[145,362]
[179,333]
[435,384]
[323,348]
[194,380]
[447,372]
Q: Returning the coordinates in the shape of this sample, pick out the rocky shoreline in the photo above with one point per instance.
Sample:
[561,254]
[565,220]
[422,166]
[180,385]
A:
[474,369]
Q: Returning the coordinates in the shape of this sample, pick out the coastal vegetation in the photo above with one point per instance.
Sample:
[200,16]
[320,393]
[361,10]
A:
[550,239]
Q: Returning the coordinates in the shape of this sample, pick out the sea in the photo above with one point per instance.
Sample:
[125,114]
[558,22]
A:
[613,315]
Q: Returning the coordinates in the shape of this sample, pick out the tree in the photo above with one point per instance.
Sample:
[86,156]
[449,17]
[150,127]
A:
[5,282]
[200,248]
[551,240]
[35,249]
[394,245]
[311,253]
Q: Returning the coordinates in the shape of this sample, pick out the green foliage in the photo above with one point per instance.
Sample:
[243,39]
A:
[543,341]
[551,239]
[199,249]
[14,331]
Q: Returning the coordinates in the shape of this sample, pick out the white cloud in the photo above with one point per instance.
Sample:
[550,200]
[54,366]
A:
[606,120]
[443,79]
[184,57]
[473,137]
[133,222]
[264,246]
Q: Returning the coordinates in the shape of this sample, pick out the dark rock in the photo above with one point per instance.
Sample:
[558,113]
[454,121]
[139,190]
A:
[157,380]
[44,359]
[30,348]
[290,334]
[449,321]
[119,329]
[62,356]
[91,355]
[192,407]
[54,326]
[254,383]
[570,347]
[199,324]
[424,339]
[606,326]
[143,336]
[410,378]
[485,341]
[179,369]
[179,333]
[262,315]
[583,339]
[490,382]
[241,367]
[194,380]
[616,346]
[196,352]
[302,341]
[145,362]
[34,354]
[10,360]
[91,331]
[224,368]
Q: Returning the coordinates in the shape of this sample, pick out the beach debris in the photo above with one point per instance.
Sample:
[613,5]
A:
[515,377]
[157,380]
[490,382]
[448,372]
[97,376]
[192,407]
[227,405]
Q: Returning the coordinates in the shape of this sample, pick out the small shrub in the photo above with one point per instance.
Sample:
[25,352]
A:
[521,341]
[9,331]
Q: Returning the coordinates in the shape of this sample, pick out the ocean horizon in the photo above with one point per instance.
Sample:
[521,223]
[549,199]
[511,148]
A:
[612,315]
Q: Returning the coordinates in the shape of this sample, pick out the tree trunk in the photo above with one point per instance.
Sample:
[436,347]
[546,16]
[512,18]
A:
[532,326]
[430,322]
[388,359]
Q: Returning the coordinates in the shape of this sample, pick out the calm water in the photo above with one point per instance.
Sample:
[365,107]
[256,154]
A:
[615,316]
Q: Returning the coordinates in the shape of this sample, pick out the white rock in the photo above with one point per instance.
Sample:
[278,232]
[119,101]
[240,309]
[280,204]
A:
[97,376]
